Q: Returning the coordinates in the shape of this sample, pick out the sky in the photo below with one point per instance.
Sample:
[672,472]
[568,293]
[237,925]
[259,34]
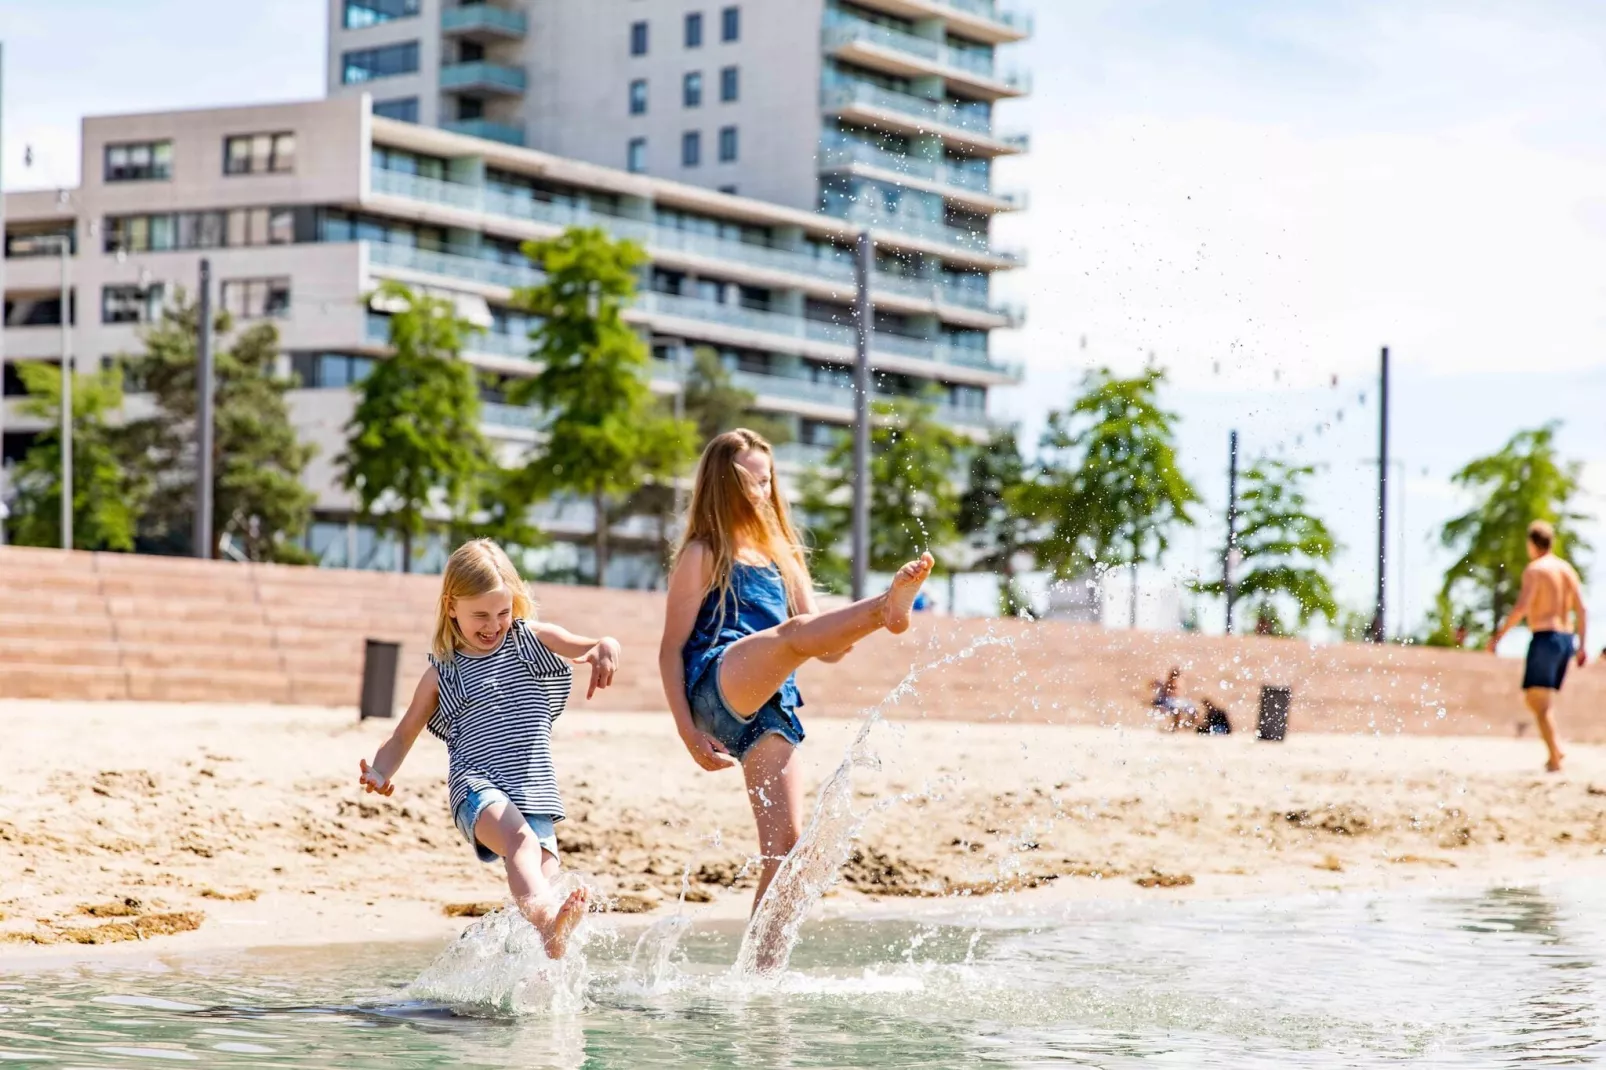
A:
[1259,194]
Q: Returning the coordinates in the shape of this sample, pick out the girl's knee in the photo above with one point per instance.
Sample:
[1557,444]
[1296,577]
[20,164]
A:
[791,629]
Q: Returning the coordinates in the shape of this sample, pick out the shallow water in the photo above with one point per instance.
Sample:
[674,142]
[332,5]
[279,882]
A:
[1512,977]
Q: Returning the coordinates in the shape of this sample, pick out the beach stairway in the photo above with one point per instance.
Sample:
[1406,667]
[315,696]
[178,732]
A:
[124,626]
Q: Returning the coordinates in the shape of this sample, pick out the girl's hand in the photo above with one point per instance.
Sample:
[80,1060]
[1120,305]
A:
[604,661]
[373,780]
[707,751]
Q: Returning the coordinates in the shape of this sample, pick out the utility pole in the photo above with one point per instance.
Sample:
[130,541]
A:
[864,321]
[1228,586]
[64,246]
[203,418]
[1379,627]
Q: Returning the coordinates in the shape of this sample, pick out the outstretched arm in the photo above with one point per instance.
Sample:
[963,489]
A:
[1518,611]
[601,654]
[687,583]
[426,697]
[1583,617]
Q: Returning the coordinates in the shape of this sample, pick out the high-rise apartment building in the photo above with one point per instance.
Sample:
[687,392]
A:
[302,209]
[880,112]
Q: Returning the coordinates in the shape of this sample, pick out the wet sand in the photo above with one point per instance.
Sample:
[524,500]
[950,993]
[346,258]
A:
[179,826]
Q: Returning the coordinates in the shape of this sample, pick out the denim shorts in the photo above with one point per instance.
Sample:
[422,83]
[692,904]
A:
[712,716]
[545,829]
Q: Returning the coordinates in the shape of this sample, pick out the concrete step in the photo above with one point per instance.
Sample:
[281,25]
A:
[62,650]
[86,626]
[79,683]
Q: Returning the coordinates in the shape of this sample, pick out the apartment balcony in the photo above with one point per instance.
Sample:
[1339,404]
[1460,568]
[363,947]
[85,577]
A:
[489,129]
[969,128]
[490,343]
[928,235]
[455,265]
[910,56]
[977,20]
[483,23]
[962,185]
[482,76]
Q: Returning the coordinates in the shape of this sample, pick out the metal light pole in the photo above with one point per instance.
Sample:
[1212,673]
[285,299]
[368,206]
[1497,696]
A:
[864,322]
[64,247]
[203,418]
[1228,587]
[1379,622]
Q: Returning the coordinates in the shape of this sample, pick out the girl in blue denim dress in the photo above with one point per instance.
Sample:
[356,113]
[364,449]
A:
[741,619]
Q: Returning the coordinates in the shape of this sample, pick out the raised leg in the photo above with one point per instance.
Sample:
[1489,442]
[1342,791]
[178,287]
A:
[756,666]
[775,790]
[530,870]
[1539,701]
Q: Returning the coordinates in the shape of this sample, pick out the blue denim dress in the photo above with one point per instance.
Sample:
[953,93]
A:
[756,601]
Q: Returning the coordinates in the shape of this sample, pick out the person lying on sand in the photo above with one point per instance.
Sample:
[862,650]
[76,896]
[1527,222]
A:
[496,682]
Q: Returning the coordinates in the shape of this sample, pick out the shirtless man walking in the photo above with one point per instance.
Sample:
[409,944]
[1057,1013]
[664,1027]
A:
[1551,595]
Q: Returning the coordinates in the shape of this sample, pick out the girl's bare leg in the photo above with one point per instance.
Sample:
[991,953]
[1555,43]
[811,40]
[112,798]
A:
[756,666]
[775,790]
[529,876]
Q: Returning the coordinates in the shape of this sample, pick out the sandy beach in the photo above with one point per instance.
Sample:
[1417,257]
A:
[174,826]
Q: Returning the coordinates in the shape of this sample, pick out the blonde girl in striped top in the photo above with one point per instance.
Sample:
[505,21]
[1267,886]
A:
[497,680]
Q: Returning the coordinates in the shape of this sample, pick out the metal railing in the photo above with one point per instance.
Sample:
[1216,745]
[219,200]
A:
[841,30]
[455,265]
[848,152]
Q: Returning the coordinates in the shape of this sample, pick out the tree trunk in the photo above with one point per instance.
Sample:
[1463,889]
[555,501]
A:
[601,542]
[407,549]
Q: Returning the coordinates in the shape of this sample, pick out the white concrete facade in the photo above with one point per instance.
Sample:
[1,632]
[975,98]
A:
[359,198]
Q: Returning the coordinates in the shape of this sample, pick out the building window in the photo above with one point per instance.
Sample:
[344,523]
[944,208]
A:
[236,228]
[691,148]
[366,64]
[360,13]
[324,371]
[731,190]
[691,92]
[730,85]
[727,144]
[638,38]
[694,29]
[402,108]
[252,299]
[636,155]
[730,24]
[638,97]
[129,304]
[259,154]
[139,161]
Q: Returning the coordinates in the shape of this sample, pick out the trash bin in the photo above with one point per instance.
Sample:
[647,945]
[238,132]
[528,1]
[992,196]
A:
[1274,703]
[379,661]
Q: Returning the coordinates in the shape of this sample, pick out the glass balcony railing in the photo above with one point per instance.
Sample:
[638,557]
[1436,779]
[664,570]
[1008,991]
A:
[452,264]
[489,129]
[517,417]
[485,19]
[482,74]
[989,10]
[842,31]
[652,235]
[847,152]
[933,230]
[937,113]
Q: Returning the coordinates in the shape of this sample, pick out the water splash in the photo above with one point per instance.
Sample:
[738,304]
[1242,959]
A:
[813,866]
[498,967]
[651,962]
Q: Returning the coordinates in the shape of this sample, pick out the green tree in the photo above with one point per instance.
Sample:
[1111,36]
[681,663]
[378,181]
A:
[1284,550]
[1110,489]
[716,404]
[1525,480]
[987,516]
[606,434]
[414,446]
[1447,625]
[107,494]
[259,500]
[914,504]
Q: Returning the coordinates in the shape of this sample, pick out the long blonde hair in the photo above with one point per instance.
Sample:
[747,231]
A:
[476,568]
[722,516]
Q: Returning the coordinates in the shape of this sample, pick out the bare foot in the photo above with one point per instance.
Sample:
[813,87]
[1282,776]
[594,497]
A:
[1554,764]
[556,926]
[900,597]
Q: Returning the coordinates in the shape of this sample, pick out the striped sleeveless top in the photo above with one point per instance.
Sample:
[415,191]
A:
[495,716]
